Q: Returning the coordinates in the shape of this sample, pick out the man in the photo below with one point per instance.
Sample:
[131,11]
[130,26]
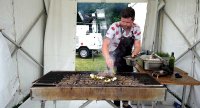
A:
[122,39]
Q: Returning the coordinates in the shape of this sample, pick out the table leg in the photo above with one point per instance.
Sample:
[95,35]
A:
[42,103]
[154,104]
[54,103]
[183,97]
[138,104]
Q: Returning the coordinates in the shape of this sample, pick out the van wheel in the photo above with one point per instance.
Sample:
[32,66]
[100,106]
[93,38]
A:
[84,52]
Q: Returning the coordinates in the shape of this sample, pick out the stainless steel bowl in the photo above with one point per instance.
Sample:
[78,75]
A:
[130,60]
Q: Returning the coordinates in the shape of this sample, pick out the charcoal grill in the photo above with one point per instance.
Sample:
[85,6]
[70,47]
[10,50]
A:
[70,85]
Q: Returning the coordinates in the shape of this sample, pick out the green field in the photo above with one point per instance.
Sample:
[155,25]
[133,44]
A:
[97,63]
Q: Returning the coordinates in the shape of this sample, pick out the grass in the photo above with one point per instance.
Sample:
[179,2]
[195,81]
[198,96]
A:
[90,64]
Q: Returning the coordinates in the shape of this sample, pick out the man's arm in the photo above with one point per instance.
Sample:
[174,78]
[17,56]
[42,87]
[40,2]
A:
[105,47]
[105,52]
[137,48]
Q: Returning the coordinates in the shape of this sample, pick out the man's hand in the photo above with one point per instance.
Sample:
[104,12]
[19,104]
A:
[105,52]
[137,48]
[133,54]
[110,62]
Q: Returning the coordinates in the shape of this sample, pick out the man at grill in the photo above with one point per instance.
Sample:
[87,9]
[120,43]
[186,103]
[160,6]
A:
[122,39]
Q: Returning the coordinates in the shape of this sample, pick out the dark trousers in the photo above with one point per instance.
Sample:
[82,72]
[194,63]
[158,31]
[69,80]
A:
[117,102]
[121,70]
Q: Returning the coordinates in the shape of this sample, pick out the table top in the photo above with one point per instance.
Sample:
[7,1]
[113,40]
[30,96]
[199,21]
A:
[171,79]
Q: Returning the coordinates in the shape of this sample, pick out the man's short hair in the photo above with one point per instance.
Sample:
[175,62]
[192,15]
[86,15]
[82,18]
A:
[128,12]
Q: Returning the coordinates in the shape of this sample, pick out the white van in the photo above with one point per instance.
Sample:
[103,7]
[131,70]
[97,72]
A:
[87,43]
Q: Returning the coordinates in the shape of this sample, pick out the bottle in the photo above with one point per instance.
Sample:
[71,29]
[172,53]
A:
[147,53]
[171,63]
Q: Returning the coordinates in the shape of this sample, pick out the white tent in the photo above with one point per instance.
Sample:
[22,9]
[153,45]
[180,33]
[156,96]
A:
[38,36]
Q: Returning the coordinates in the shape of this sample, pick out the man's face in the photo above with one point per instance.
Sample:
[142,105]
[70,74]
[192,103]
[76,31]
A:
[126,23]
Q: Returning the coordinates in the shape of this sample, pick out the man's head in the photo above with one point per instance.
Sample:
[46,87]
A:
[127,17]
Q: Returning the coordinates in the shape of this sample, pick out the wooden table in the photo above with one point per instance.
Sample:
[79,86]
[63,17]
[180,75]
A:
[172,80]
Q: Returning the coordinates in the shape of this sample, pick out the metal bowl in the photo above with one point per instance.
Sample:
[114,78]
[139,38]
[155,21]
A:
[130,61]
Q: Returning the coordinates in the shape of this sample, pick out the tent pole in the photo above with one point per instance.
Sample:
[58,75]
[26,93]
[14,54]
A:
[178,98]
[188,50]
[194,51]
[22,101]
[159,29]
[21,49]
[26,34]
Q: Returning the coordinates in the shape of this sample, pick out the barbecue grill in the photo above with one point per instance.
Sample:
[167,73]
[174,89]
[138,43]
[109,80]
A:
[70,85]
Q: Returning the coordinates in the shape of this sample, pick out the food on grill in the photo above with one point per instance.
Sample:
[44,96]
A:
[90,79]
[106,76]
[107,80]
[92,76]
[114,78]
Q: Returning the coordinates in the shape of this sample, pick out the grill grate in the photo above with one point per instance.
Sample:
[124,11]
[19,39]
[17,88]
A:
[78,79]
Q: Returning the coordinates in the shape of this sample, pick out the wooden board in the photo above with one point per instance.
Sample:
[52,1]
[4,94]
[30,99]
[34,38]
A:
[98,93]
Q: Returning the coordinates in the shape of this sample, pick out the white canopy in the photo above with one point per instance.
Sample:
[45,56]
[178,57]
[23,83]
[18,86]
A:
[46,41]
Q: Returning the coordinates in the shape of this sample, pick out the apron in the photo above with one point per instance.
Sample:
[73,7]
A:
[124,49]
